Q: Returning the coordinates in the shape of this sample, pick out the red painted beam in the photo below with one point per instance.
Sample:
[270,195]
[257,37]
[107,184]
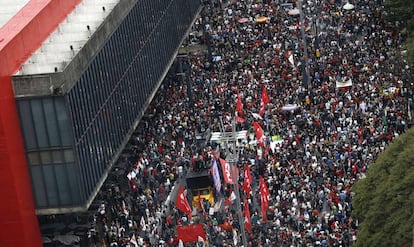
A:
[19,38]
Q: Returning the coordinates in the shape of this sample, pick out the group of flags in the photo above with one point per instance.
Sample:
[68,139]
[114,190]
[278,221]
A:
[240,114]
[264,197]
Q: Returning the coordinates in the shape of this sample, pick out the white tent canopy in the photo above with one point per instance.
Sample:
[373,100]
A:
[348,6]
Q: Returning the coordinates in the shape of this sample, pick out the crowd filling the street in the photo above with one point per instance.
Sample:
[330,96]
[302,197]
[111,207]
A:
[318,89]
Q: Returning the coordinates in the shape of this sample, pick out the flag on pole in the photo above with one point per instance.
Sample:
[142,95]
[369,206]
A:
[247,183]
[246,213]
[239,110]
[259,133]
[264,198]
[239,106]
[265,100]
[225,166]
[182,203]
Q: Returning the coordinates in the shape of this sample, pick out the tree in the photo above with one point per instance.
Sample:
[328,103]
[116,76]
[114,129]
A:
[400,14]
[399,10]
[384,199]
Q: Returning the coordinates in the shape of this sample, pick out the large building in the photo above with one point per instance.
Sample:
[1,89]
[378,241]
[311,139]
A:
[75,79]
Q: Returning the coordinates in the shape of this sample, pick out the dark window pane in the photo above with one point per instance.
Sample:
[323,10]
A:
[50,181]
[63,121]
[38,186]
[27,124]
[51,122]
[39,123]
[63,184]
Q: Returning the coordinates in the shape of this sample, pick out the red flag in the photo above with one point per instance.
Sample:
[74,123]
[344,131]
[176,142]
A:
[225,166]
[247,183]
[264,198]
[264,102]
[259,133]
[239,106]
[246,212]
[182,203]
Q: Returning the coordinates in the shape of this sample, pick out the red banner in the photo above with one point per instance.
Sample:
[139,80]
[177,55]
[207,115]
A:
[190,233]
[225,166]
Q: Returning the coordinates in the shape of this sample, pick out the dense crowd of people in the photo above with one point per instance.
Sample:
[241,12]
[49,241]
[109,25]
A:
[351,98]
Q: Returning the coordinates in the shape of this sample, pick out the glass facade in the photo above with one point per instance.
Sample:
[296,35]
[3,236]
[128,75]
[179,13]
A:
[71,140]
[49,146]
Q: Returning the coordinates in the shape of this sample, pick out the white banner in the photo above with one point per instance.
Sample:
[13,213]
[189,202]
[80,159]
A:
[340,84]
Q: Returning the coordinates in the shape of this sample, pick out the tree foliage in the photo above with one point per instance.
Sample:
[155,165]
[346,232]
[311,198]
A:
[399,10]
[400,13]
[384,200]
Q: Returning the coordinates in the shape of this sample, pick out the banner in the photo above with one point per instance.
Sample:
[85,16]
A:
[226,168]
[343,83]
[182,203]
[190,233]
[216,176]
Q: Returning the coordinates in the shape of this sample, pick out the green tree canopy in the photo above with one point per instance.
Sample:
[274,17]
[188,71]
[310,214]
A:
[399,10]
[384,200]
[402,11]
